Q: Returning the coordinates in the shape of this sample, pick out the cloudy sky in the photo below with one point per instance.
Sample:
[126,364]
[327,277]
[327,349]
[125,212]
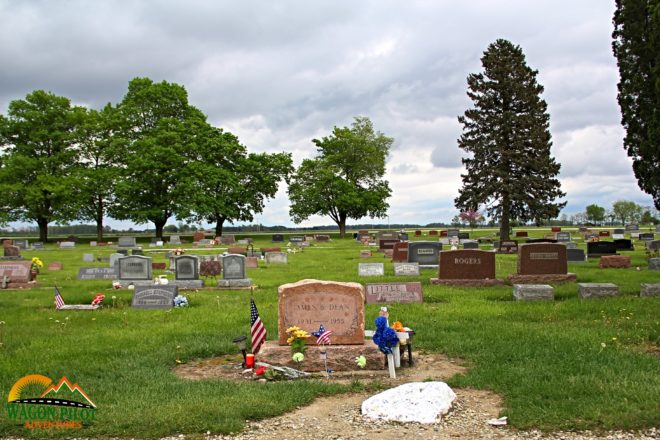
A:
[280,73]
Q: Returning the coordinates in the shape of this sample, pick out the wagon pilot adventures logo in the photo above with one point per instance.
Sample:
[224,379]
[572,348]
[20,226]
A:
[39,403]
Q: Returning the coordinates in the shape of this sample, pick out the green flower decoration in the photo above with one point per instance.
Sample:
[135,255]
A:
[298,357]
[361,361]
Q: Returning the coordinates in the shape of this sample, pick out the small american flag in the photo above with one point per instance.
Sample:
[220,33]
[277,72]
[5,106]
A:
[258,330]
[59,302]
[324,338]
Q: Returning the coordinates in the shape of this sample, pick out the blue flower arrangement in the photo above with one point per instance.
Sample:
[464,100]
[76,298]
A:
[180,301]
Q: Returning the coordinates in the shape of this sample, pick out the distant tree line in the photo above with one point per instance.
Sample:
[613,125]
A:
[148,158]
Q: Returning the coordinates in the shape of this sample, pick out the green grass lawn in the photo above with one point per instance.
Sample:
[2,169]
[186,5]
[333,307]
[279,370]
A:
[567,364]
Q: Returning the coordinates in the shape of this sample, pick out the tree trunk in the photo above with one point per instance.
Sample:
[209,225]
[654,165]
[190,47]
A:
[342,225]
[43,229]
[99,221]
[218,226]
[160,224]
[504,225]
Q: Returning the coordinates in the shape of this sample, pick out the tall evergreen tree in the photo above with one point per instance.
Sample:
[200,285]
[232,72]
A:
[506,134]
[637,49]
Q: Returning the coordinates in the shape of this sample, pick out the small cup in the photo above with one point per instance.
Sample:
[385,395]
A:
[249,360]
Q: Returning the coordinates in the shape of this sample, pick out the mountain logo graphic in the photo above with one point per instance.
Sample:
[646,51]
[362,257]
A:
[64,393]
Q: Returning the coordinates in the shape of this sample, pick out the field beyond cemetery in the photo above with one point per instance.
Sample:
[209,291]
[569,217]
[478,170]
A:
[569,364]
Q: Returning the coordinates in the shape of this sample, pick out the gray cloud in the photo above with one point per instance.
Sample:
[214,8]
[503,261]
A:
[281,73]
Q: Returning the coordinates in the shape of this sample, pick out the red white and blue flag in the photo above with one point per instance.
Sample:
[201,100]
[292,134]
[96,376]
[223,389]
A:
[59,301]
[323,336]
[258,330]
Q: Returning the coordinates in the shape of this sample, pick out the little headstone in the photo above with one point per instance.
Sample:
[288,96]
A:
[135,267]
[425,253]
[199,235]
[387,243]
[555,229]
[387,293]
[227,239]
[21,243]
[406,269]
[124,252]
[365,254]
[12,252]
[433,233]
[234,267]
[654,245]
[563,236]
[623,244]
[571,245]
[97,273]
[471,245]
[54,266]
[533,292]
[463,235]
[67,244]
[597,290]
[277,258]
[309,303]
[632,228]
[443,233]
[371,269]
[647,236]
[270,249]
[175,239]
[252,262]
[452,233]
[619,231]
[647,289]
[522,234]
[38,245]
[582,229]
[186,267]
[400,252]
[126,242]
[137,252]
[614,261]
[211,268]
[604,233]
[654,263]
[418,233]
[154,297]
[575,255]
[93,243]
[508,247]
[205,242]
[277,238]
[158,266]
[322,238]
[88,258]
[114,258]
[297,238]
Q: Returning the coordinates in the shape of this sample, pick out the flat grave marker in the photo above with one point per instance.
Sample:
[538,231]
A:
[371,269]
[388,293]
[406,269]
[154,297]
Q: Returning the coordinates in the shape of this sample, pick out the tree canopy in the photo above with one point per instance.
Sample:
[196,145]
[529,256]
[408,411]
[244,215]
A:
[636,46]
[626,211]
[38,139]
[595,213]
[507,138]
[345,180]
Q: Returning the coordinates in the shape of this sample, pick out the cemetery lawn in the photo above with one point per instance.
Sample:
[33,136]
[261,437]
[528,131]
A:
[567,364]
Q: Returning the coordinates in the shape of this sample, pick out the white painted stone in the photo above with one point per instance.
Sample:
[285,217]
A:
[421,402]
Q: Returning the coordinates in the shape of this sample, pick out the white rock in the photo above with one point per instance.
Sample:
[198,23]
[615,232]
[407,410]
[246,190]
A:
[421,402]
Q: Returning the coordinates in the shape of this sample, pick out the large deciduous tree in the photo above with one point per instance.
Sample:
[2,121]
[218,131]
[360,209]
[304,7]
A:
[507,138]
[636,46]
[595,213]
[227,183]
[38,140]
[160,140]
[626,211]
[345,180]
[97,172]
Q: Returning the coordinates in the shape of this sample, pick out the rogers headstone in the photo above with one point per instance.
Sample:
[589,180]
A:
[467,264]
[310,303]
[394,293]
